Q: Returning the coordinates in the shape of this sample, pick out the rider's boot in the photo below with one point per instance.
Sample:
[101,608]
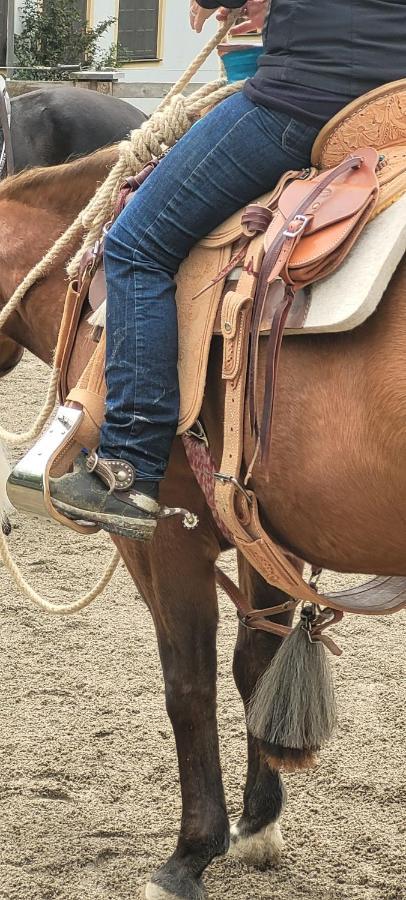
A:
[107,493]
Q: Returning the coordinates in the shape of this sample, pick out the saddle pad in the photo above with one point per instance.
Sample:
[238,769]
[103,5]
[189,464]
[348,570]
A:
[350,295]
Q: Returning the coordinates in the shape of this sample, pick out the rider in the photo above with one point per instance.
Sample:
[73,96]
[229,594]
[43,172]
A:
[318,56]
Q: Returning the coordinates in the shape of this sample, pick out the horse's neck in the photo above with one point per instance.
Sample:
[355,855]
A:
[40,209]
[64,188]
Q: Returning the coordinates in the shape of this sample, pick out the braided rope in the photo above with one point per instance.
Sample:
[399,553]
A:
[160,132]
[59,609]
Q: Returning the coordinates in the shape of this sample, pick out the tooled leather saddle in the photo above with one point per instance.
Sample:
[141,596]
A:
[295,236]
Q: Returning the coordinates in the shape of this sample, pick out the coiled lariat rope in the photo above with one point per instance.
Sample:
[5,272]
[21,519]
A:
[170,121]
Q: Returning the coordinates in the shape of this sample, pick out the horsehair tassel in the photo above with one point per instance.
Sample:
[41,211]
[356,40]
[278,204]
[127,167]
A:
[293,710]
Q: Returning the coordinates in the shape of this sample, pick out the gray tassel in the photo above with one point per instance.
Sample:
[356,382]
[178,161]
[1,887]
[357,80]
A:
[293,709]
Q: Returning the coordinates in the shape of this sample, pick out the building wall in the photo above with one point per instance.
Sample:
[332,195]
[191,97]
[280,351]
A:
[177,46]
[3,31]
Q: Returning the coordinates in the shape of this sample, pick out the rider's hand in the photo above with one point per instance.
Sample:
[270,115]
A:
[255,12]
[198,16]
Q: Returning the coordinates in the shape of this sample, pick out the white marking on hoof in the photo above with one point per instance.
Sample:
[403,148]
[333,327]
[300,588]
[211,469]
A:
[155,892]
[261,849]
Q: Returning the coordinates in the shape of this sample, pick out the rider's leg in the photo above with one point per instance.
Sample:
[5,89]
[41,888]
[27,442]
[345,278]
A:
[230,157]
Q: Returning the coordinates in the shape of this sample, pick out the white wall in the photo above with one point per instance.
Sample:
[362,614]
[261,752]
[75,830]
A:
[179,45]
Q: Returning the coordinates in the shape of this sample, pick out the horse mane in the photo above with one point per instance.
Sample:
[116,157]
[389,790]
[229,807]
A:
[47,183]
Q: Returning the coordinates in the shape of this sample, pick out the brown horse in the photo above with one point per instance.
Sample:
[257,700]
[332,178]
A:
[335,494]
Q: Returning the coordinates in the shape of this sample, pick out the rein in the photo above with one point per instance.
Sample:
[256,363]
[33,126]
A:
[6,155]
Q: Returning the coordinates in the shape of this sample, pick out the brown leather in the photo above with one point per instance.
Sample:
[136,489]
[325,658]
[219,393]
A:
[377,119]
[74,302]
[254,618]
[316,225]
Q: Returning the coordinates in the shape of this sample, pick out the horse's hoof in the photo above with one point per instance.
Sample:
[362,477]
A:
[261,849]
[154,892]
[171,888]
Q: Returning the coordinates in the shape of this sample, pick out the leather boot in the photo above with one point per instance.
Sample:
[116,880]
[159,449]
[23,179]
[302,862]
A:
[104,492]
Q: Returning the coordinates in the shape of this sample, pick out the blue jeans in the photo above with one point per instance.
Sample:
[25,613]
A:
[229,158]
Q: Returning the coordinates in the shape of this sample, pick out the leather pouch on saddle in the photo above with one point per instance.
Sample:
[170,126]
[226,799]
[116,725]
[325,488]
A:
[316,224]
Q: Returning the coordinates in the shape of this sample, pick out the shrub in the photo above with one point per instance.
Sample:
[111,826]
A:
[53,34]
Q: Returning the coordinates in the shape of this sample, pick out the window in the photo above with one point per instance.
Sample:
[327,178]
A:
[82,8]
[138,29]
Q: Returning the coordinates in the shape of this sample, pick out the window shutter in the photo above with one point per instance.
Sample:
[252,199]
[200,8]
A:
[138,29]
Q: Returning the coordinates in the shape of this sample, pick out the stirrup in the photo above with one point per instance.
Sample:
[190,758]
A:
[28,483]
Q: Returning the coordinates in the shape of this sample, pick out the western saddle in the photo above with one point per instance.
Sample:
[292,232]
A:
[231,285]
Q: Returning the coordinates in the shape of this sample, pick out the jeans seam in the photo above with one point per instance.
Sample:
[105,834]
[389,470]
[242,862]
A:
[201,163]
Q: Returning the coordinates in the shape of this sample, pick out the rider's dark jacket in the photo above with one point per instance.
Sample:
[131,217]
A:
[326,50]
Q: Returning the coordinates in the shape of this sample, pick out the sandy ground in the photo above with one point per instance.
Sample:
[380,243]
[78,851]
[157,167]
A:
[89,787]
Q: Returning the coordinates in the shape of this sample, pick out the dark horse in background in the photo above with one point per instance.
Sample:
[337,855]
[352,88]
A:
[52,125]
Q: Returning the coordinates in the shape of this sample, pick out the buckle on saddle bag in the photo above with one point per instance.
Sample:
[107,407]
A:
[303,222]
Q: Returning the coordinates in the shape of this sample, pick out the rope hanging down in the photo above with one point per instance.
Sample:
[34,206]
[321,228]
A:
[170,121]
[59,609]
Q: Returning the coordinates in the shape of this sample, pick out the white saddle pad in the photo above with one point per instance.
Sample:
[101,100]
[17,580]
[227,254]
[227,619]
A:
[347,298]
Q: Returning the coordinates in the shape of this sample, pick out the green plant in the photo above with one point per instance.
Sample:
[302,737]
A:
[53,35]
[110,58]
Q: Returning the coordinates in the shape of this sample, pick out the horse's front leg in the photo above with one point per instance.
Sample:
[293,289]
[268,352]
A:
[256,837]
[176,577]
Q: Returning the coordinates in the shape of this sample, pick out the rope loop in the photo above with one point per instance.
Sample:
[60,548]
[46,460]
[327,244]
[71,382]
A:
[59,609]
[17,439]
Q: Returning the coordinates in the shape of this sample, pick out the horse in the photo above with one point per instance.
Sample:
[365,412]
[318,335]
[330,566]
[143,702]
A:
[334,493]
[51,125]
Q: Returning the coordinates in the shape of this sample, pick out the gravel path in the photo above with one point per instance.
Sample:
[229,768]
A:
[89,786]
